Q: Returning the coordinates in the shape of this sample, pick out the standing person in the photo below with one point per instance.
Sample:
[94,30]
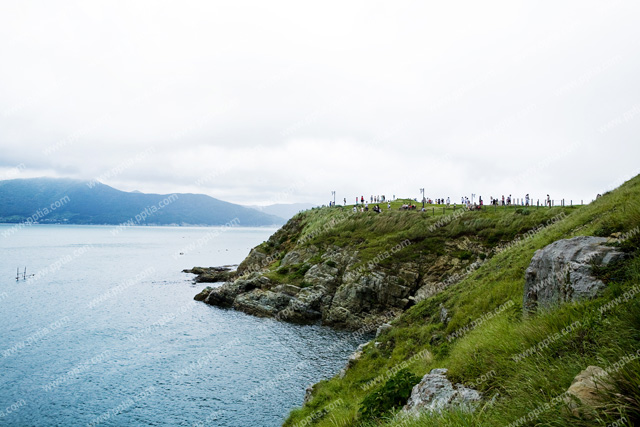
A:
[503,200]
[526,198]
[388,205]
[362,199]
[548,200]
[345,201]
[448,201]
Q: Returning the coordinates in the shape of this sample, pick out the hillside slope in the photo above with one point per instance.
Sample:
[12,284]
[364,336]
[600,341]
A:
[351,269]
[49,200]
[475,327]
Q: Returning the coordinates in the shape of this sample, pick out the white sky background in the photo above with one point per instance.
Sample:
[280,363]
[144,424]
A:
[282,102]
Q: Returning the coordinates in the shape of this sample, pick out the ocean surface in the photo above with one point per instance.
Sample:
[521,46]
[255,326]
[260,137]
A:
[106,332]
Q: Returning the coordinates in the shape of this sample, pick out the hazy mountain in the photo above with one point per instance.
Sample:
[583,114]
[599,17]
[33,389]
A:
[59,200]
[283,210]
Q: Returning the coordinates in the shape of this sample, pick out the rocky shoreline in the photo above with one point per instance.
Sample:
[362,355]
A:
[316,282]
[213,274]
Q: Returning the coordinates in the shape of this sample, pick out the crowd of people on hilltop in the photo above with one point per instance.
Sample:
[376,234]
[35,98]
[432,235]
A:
[362,204]
[365,208]
[372,199]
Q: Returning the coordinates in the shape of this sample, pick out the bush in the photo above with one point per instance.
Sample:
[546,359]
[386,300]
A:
[392,395]
[463,255]
[283,270]
[300,271]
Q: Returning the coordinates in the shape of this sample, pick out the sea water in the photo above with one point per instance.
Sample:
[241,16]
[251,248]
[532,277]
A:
[104,331]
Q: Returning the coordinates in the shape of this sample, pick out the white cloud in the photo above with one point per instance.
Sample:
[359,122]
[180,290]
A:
[358,97]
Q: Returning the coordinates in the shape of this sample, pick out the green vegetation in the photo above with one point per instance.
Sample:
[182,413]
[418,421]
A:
[429,233]
[392,395]
[607,331]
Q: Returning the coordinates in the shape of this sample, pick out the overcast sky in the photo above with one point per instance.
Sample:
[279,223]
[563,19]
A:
[282,102]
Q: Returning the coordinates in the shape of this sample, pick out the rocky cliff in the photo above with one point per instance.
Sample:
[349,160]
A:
[346,270]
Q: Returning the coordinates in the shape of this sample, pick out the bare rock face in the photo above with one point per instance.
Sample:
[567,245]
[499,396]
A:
[586,388]
[427,290]
[322,275]
[298,256]
[203,294]
[225,295]
[254,262]
[212,274]
[261,303]
[561,272]
[435,393]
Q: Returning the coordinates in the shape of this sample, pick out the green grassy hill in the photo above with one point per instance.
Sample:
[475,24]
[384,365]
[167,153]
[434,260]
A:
[486,329]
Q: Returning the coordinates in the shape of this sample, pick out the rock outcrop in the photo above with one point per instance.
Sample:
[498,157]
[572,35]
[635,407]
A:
[586,390]
[335,289]
[212,274]
[562,271]
[203,294]
[299,279]
[435,393]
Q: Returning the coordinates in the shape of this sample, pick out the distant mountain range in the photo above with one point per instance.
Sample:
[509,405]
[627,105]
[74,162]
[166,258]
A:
[283,210]
[61,200]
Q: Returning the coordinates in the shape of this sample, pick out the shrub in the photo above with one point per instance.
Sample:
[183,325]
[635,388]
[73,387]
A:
[463,255]
[283,270]
[300,271]
[392,395]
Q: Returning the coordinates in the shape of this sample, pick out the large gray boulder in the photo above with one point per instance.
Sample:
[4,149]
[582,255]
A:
[561,272]
[435,393]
